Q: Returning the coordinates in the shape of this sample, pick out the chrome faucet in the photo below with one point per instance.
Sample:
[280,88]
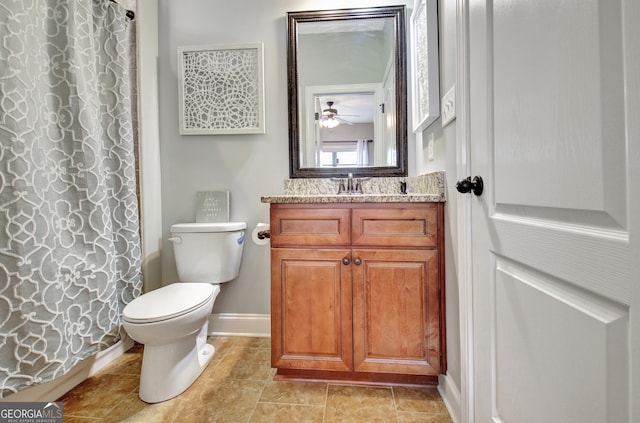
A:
[350,182]
[352,186]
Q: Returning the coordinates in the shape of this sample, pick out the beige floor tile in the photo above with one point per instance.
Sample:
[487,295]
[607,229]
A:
[421,400]
[232,401]
[411,417]
[289,413]
[73,419]
[129,407]
[358,404]
[253,342]
[128,363]
[162,412]
[222,344]
[97,395]
[308,393]
[108,382]
[245,363]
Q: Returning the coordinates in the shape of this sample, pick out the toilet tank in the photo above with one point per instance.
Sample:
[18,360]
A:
[208,252]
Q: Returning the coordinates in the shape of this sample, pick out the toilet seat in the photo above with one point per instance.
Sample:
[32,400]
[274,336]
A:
[168,302]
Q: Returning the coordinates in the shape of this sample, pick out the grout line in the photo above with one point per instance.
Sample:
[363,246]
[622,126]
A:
[258,400]
[326,399]
[117,404]
[290,403]
[395,404]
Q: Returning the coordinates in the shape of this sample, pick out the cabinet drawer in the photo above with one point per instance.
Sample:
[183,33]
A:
[405,226]
[310,226]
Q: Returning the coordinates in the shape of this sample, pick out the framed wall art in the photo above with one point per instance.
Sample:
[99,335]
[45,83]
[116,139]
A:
[221,89]
[424,64]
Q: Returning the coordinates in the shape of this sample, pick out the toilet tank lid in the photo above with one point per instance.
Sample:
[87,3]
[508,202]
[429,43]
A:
[209,227]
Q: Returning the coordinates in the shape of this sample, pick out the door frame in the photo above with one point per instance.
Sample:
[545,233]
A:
[463,169]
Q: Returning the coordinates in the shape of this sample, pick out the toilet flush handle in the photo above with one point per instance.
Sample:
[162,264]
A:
[176,239]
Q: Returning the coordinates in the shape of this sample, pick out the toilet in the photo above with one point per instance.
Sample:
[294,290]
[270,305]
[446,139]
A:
[172,321]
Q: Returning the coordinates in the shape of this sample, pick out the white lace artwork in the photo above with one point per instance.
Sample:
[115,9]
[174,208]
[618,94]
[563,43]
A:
[426,84]
[221,90]
[422,52]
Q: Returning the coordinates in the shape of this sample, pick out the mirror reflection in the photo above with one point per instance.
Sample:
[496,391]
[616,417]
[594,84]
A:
[345,137]
[347,107]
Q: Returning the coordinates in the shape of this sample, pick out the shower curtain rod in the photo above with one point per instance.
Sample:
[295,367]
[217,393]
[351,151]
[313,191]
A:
[130,13]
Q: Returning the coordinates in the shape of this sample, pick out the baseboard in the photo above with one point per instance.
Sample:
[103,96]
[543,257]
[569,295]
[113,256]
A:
[51,391]
[451,396]
[233,324]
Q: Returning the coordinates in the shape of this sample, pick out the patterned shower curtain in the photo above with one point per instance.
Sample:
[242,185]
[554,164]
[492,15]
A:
[69,243]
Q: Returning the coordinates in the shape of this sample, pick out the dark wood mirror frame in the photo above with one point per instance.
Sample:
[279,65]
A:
[293,18]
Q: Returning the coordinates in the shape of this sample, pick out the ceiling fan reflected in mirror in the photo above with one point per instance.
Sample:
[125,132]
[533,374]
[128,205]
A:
[330,118]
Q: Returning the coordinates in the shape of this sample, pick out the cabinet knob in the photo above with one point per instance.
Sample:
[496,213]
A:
[357,261]
[346,261]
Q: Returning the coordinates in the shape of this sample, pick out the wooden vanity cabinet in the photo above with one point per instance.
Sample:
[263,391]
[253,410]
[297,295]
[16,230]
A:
[357,291]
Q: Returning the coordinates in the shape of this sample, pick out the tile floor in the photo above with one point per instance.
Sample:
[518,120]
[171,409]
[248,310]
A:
[238,386]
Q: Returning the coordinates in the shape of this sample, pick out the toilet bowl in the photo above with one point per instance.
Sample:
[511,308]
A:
[172,322]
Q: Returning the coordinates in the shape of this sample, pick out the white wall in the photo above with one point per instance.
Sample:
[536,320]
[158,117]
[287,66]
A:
[444,158]
[248,165]
[150,174]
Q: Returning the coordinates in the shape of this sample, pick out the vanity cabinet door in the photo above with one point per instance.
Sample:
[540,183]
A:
[311,309]
[396,311]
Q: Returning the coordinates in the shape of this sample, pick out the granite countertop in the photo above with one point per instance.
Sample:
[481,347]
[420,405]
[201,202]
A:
[357,198]
[428,188]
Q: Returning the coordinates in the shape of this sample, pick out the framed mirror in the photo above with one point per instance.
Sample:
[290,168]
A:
[347,92]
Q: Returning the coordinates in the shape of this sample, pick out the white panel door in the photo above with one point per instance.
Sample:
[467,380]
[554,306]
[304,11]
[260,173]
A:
[554,111]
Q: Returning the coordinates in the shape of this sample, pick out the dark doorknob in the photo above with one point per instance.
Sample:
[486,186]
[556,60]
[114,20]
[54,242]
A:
[467,185]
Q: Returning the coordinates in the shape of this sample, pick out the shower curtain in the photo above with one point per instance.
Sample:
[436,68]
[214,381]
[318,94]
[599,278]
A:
[69,242]
[362,152]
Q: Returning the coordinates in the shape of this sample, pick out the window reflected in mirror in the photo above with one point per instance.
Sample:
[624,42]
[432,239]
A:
[344,130]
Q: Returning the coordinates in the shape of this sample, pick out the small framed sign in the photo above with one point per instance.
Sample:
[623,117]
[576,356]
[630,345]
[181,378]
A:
[212,206]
